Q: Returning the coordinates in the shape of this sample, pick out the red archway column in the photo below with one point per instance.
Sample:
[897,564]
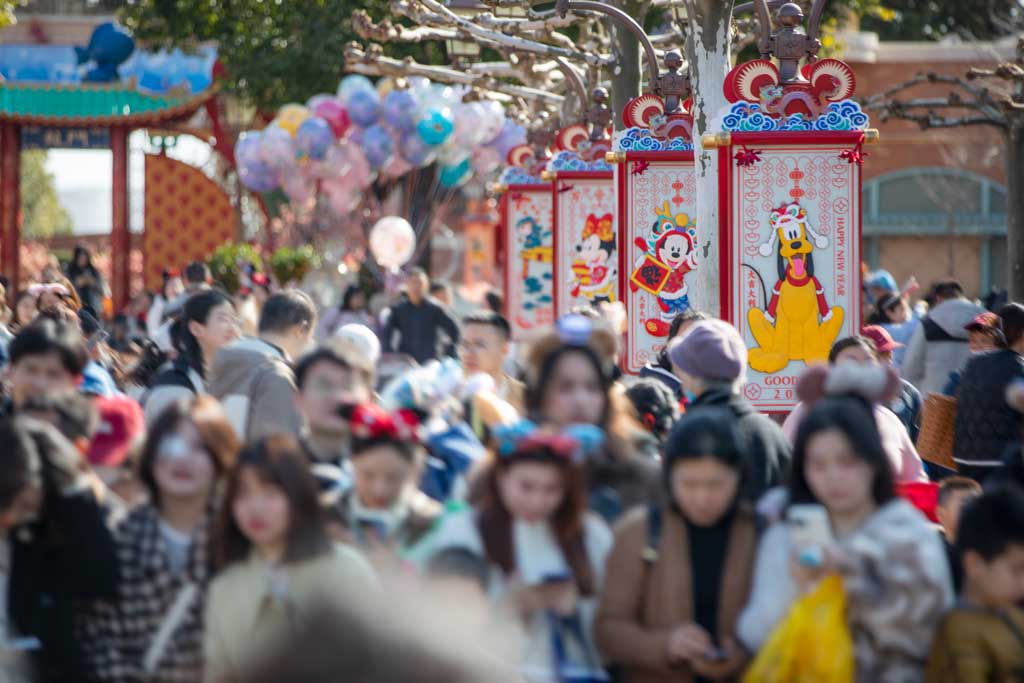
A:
[120,237]
[10,203]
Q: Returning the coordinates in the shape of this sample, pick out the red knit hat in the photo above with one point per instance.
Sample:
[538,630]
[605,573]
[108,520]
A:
[121,425]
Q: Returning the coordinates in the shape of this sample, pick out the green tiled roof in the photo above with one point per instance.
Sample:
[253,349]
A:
[50,104]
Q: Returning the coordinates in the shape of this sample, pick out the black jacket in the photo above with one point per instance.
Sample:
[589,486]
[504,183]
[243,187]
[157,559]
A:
[56,569]
[767,447]
[985,424]
[419,328]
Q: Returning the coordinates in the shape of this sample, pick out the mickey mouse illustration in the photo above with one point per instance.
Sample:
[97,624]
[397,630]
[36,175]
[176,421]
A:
[594,272]
[670,254]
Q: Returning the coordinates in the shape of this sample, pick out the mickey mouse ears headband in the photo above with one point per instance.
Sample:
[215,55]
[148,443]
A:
[574,443]
[369,421]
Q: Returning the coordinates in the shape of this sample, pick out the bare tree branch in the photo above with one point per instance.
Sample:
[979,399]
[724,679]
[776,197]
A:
[372,62]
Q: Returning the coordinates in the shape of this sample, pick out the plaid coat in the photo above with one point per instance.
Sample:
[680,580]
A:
[117,636]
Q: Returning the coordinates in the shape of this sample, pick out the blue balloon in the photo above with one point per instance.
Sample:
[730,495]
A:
[363,107]
[377,146]
[400,110]
[511,135]
[313,138]
[436,125]
[416,152]
[247,149]
[354,83]
[454,176]
[258,177]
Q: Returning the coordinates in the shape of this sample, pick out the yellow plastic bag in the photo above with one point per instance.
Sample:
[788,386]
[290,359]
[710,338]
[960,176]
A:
[812,644]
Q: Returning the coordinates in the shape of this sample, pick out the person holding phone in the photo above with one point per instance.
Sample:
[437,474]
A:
[545,552]
[844,517]
[679,574]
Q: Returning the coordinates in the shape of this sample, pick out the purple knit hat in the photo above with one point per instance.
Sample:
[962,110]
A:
[711,350]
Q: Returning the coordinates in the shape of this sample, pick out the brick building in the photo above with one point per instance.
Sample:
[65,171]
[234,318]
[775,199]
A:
[934,201]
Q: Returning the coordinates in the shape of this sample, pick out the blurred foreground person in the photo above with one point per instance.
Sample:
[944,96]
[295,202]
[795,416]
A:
[275,556]
[378,643]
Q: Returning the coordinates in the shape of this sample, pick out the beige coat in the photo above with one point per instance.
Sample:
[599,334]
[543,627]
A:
[642,604]
[242,612]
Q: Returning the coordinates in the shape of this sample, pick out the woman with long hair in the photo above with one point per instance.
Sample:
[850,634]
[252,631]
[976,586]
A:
[208,324]
[154,630]
[891,561]
[87,281]
[545,551]
[171,288]
[351,310]
[679,574]
[894,312]
[570,380]
[274,554]
[24,309]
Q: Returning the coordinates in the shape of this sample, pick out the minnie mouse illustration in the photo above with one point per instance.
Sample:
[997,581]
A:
[670,254]
[594,273]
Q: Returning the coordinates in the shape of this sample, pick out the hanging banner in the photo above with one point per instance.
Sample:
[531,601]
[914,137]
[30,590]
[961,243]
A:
[793,217]
[527,250]
[659,241]
[586,255]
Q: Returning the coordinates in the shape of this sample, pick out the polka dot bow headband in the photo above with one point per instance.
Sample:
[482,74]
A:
[369,421]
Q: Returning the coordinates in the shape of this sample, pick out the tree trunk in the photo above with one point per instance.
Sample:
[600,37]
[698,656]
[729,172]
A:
[708,53]
[626,76]
[1015,209]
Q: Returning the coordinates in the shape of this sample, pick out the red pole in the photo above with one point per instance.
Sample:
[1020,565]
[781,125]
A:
[120,239]
[10,201]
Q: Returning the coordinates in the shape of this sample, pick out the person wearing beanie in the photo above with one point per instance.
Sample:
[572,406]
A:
[907,405]
[985,424]
[711,363]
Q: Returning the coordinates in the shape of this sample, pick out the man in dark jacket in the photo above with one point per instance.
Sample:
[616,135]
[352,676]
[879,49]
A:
[985,424]
[420,322]
[711,361]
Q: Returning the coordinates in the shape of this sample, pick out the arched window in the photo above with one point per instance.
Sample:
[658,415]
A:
[952,215]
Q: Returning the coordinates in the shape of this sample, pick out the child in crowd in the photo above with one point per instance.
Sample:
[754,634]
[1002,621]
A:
[656,408]
[954,493]
[982,638]
[384,511]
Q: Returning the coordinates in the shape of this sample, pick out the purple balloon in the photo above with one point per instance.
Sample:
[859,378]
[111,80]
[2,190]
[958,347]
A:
[377,145]
[247,149]
[363,107]
[258,177]
[400,110]
[277,148]
[415,151]
[511,135]
[314,138]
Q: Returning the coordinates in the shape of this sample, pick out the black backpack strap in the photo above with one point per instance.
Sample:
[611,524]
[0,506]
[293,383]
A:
[650,555]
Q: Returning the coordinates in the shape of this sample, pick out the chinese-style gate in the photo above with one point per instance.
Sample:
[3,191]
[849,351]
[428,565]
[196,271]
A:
[45,115]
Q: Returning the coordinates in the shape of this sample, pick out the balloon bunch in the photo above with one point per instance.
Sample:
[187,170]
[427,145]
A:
[343,142]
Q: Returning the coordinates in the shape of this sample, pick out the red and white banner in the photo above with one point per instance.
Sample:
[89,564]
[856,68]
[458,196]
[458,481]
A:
[527,249]
[586,256]
[660,246]
[792,253]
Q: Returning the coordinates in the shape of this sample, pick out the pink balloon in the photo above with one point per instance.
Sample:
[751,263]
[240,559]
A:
[334,164]
[359,167]
[396,168]
[298,188]
[332,111]
[485,160]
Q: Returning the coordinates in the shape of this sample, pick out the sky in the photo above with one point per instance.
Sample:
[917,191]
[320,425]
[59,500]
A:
[83,180]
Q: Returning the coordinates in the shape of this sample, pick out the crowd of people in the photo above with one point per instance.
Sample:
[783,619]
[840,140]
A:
[221,488]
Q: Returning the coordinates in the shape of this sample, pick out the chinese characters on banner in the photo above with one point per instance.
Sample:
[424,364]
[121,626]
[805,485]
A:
[662,247]
[586,250]
[794,239]
[528,258]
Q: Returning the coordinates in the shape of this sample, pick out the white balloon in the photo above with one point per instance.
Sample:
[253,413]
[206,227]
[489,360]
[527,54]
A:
[392,241]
